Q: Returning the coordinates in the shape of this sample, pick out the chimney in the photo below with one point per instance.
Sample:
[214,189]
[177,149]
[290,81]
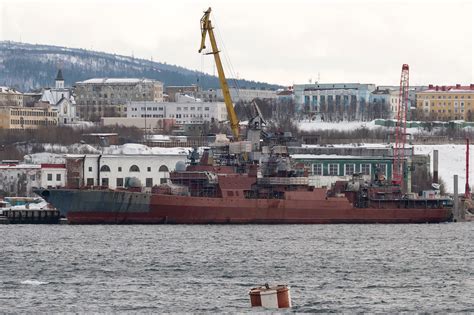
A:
[458,86]
[437,88]
[430,86]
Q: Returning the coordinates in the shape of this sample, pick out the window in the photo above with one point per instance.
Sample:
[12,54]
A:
[382,169]
[163,168]
[349,169]
[32,177]
[119,182]
[50,177]
[105,182]
[105,168]
[365,169]
[119,168]
[318,169]
[58,177]
[148,169]
[163,180]
[149,182]
[134,168]
[90,168]
[333,169]
[90,182]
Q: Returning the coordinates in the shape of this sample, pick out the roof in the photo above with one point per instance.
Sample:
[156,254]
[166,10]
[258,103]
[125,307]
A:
[19,166]
[59,76]
[50,165]
[338,157]
[449,88]
[286,92]
[116,81]
[7,90]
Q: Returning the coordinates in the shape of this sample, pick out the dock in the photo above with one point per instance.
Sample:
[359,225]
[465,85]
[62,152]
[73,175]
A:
[43,216]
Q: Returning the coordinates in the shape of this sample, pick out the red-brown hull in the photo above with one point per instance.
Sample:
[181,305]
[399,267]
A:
[166,209]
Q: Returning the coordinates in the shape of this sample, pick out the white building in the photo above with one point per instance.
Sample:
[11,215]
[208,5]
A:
[61,100]
[21,179]
[113,171]
[386,97]
[184,112]
[245,95]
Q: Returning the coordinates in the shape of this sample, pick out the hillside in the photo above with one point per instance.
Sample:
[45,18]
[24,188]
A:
[27,67]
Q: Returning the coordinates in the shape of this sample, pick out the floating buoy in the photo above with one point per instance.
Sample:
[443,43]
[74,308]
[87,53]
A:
[271,297]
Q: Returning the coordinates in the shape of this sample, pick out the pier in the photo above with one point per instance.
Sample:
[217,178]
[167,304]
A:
[30,216]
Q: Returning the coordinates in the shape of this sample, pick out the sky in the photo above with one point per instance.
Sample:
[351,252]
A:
[275,41]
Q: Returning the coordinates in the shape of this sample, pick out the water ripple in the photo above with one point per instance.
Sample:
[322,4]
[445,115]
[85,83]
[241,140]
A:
[203,269]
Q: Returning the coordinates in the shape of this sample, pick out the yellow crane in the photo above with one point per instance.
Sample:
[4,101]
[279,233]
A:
[206,27]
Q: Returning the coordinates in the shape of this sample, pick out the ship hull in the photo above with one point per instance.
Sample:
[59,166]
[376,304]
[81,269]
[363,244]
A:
[121,207]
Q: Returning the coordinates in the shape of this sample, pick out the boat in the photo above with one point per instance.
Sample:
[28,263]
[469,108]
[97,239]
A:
[251,181]
[270,193]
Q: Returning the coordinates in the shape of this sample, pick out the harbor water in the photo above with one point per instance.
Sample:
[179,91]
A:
[210,268]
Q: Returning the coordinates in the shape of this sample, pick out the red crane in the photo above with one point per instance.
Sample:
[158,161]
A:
[401,128]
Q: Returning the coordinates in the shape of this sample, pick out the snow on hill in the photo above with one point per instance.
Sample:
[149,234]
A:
[26,67]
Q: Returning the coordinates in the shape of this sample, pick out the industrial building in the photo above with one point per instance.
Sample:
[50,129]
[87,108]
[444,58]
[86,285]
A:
[114,170]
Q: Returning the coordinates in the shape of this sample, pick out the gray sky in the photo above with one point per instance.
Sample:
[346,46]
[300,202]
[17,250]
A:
[278,41]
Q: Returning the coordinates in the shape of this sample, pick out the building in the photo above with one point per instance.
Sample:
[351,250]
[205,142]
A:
[171,91]
[27,117]
[412,91]
[195,112]
[114,171]
[10,97]
[19,180]
[334,101]
[328,164]
[325,170]
[104,97]
[244,95]
[61,100]
[285,95]
[446,102]
[386,99]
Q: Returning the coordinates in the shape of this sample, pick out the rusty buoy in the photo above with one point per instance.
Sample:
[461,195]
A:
[271,296]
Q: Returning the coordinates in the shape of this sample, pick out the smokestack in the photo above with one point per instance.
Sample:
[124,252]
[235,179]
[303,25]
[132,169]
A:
[467,191]
[435,166]
[456,200]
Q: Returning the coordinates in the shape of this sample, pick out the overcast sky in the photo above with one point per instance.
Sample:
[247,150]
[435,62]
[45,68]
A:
[276,41]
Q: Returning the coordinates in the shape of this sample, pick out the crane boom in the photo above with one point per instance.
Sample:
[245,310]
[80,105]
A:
[206,28]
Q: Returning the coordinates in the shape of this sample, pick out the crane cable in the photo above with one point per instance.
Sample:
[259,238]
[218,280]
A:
[230,66]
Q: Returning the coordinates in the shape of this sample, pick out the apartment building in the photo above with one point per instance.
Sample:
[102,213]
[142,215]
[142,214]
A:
[447,102]
[108,97]
[27,117]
